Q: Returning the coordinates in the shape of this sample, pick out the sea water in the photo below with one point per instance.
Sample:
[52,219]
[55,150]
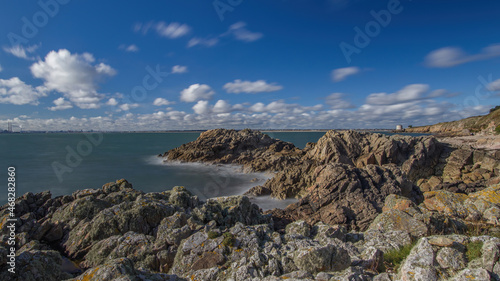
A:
[47,162]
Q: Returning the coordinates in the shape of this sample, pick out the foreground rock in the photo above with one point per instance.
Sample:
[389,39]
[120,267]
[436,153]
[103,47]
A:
[119,233]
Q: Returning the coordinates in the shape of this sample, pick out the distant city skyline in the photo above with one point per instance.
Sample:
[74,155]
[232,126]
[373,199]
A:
[294,64]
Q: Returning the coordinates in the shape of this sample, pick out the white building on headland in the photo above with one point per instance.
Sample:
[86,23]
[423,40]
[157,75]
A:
[399,127]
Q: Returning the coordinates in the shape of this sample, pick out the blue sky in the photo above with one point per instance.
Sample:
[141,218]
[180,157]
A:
[177,64]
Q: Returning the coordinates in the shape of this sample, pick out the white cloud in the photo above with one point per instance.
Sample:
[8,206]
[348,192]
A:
[336,101]
[197,92]
[172,30]
[15,91]
[494,86]
[409,93]
[209,42]
[453,56]
[22,52]
[239,86]
[129,48]
[73,75]
[112,102]
[128,106]
[61,104]
[341,74]
[202,107]
[222,106]
[162,102]
[239,32]
[179,69]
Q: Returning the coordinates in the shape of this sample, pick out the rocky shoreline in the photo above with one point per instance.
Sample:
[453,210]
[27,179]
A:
[363,198]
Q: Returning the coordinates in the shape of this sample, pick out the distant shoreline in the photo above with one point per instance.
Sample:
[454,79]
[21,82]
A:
[193,131]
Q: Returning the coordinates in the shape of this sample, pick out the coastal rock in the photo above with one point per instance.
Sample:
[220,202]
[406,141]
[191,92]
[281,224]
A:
[351,196]
[252,149]
[34,265]
[419,265]
[172,235]
[399,220]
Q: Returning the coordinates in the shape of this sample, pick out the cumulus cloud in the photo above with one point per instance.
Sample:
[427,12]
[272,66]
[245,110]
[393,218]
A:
[172,30]
[128,106]
[15,91]
[201,107]
[206,116]
[197,92]
[129,48]
[162,102]
[409,93]
[222,106]
[22,52]
[179,69]
[341,74]
[74,75]
[453,56]
[336,101]
[112,102]
[259,86]
[61,104]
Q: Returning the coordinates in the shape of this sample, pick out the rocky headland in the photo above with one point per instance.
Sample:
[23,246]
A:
[371,207]
[488,124]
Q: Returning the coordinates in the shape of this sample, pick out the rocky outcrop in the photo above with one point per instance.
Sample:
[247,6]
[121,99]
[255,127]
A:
[252,149]
[441,212]
[345,177]
[485,124]
[126,230]
[350,196]
[119,233]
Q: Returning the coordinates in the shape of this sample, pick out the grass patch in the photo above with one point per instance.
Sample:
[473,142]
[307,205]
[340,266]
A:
[474,250]
[213,234]
[229,239]
[394,258]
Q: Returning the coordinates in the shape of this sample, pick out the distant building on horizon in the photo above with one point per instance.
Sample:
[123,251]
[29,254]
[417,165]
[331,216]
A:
[399,127]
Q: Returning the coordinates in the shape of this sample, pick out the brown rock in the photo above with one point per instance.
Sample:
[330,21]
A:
[208,260]
[441,241]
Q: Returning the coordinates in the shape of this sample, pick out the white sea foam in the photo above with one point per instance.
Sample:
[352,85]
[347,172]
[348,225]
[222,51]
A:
[224,180]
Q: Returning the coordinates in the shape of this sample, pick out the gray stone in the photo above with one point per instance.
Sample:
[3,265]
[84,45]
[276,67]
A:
[477,274]
[450,258]
[419,265]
